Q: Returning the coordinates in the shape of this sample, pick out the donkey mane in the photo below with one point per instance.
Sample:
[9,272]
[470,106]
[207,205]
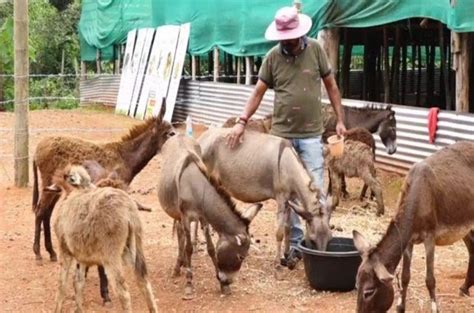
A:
[371,107]
[221,191]
[139,129]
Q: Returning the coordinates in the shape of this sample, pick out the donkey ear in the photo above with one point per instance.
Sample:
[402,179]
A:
[382,273]
[162,109]
[251,211]
[361,244]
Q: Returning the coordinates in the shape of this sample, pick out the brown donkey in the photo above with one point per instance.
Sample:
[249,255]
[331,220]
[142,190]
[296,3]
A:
[436,207]
[98,226]
[188,194]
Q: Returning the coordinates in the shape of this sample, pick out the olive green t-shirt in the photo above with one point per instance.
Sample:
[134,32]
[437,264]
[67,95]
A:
[297,84]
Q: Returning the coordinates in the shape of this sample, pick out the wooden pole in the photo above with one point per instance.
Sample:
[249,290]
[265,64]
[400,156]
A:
[216,64]
[248,70]
[404,73]
[193,67]
[238,69]
[83,70]
[198,67]
[118,57]
[418,78]
[97,62]
[444,68]
[346,66]
[461,64]
[386,72]
[20,33]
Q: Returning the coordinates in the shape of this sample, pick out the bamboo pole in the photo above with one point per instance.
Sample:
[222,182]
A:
[20,33]
[193,67]
[216,64]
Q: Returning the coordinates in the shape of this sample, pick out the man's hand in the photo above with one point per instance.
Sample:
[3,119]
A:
[236,135]
[340,128]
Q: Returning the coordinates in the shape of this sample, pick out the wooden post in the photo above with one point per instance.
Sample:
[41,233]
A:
[83,70]
[193,67]
[418,79]
[20,33]
[216,64]
[346,66]
[238,69]
[248,70]
[444,68]
[461,65]
[97,62]
[118,57]
[386,72]
[63,56]
[404,72]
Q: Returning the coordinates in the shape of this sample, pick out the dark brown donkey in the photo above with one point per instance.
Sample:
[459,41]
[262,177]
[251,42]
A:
[436,207]
[127,157]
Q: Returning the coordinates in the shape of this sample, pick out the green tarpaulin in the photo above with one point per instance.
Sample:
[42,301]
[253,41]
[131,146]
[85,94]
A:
[238,26]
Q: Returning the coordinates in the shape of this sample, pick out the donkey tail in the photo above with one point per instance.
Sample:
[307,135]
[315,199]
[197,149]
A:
[135,248]
[35,187]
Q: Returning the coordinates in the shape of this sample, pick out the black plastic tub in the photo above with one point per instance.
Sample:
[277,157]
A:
[334,269]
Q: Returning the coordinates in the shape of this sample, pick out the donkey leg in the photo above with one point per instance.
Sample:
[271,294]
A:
[65,262]
[36,244]
[211,250]
[104,288]
[280,232]
[345,194]
[144,283]
[469,281]
[363,192]
[189,289]
[47,230]
[375,186]
[430,279]
[194,235]
[405,277]
[181,244]
[79,281]
[336,188]
[115,274]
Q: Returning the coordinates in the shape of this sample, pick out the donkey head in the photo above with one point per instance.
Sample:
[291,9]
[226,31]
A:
[231,250]
[374,283]
[387,131]
[317,217]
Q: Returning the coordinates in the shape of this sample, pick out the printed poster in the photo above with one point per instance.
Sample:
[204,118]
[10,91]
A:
[125,94]
[159,70]
[149,32]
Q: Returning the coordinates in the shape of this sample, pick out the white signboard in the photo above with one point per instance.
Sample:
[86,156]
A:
[159,70]
[149,32]
[124,94]
[177,71]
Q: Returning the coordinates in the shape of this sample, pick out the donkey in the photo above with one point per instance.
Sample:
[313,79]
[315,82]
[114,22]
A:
[436,207]
[188,194]
[127,157]
[373,118]
[266,167]
[262,125]
[98,226]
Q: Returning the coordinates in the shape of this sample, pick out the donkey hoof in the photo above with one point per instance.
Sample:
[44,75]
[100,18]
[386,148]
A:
[53,258]
[107,303]
[39,260]
[225,290]
[400,309]
[464,292]
[380,213]
[188,293]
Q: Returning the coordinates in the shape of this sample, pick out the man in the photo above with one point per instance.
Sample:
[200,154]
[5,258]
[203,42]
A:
[294,69]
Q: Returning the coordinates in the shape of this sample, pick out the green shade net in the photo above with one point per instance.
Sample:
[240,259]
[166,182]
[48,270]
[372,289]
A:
[238,26]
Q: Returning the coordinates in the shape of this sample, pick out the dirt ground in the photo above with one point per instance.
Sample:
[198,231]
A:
[27,287]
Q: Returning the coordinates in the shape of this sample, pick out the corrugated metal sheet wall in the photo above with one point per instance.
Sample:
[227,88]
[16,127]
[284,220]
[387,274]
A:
[100,89]
[213,103]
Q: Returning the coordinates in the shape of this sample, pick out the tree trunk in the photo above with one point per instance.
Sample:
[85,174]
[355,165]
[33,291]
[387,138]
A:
[21,92]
